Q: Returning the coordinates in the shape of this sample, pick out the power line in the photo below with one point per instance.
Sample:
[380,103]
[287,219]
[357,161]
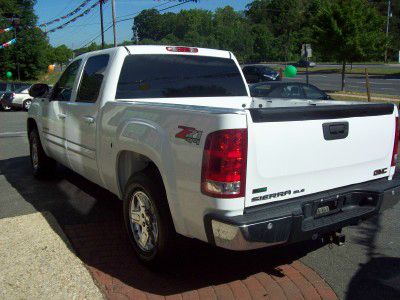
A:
[126,19]
[135,13]
[160,10]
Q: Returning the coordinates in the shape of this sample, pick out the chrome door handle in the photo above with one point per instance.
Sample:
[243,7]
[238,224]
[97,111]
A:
[89,120]
[61,116]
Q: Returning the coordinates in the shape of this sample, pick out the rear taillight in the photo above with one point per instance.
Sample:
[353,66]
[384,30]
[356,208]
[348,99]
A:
[12,96]
[183,49]
[224,164]
[396,143]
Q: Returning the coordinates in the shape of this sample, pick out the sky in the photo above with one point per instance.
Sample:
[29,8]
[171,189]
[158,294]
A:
[85,29]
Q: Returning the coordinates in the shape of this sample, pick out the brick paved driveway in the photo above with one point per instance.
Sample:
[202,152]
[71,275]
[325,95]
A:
[201,272]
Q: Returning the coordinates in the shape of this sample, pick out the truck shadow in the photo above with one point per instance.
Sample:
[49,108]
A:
[91,217]
[379,277]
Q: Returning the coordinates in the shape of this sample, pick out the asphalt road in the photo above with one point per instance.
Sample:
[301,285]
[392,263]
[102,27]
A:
[366,267]
[379,84]
[331,81]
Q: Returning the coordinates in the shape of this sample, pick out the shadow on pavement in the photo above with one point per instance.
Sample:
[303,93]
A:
[379,277]
[92,219]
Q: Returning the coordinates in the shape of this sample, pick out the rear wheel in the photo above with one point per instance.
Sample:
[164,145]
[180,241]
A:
[5,107]
[147,218]
[27,104]
[42,164]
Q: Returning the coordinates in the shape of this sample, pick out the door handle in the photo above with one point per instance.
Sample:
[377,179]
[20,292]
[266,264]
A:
[335,130]
[89,120]
[61,116]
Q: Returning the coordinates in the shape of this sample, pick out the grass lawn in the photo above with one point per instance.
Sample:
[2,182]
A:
[49,79]
[356,96]
[355,70]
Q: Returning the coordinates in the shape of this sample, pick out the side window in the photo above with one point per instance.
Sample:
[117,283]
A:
[263,90]
[276,92]
[292,91]
[92,78]
[312,92]
[250,71]
[62,91]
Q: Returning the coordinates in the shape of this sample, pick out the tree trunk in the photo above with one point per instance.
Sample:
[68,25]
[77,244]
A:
[343,74]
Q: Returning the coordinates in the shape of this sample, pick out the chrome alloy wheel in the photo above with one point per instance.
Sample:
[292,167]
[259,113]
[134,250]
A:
[143,221]
[34,153]
[27,104]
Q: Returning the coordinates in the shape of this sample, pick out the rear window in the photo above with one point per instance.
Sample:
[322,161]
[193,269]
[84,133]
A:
[168,76]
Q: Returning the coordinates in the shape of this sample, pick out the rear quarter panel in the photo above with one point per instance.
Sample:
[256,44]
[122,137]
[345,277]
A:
[150,130]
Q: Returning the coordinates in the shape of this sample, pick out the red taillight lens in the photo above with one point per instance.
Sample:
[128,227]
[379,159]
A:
[183,49]
[224,164]
[396,144]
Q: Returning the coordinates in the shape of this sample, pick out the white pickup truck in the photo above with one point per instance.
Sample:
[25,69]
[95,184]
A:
[173,132]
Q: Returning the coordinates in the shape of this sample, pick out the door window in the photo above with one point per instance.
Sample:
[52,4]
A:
[250,71]
[62,91]
[312,92]
[292,91]
[92,78]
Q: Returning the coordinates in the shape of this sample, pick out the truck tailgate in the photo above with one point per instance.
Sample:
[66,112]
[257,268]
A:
[295,151]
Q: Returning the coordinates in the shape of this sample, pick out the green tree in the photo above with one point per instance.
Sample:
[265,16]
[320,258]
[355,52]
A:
[348,31]
[32,45]
[62,54]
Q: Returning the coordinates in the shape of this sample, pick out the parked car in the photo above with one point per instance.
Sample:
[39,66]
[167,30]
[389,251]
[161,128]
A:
[19,99]
[9,87]
[174,133]
[287,90]
[260,73]
[302,63]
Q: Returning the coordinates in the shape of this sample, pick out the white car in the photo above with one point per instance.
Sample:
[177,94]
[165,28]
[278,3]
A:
[173,132]
[19,99]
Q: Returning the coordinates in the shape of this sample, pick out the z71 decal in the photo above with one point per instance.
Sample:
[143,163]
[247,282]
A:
[189,134]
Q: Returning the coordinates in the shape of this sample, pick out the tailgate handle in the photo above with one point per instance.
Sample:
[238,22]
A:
[335,130]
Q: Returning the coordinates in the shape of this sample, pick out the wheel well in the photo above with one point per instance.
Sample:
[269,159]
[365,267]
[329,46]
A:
[31,124]
[130,163]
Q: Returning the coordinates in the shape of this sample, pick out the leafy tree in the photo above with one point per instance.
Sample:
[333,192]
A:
[32,45]
[349,30]
[62,54]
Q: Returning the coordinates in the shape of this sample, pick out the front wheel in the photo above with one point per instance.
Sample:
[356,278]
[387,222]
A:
[5,107]
[42,164]
[147,219]
[27,104]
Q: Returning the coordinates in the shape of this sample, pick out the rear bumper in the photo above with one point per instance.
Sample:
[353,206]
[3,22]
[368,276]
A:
[295,220]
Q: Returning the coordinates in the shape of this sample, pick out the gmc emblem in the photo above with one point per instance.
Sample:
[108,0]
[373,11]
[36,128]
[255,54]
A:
[380,171]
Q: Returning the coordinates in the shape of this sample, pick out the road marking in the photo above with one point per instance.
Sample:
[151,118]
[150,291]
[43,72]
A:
[12,134]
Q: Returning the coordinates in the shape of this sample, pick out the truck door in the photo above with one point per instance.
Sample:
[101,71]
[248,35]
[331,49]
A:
[54,115]
[82,119]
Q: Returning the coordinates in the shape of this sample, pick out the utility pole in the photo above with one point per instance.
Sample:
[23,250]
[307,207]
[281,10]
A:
[114,21]
[387,29]
[15,23]
[101,24]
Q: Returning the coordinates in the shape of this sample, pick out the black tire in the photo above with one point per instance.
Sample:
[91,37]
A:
[4,107]
[42,165]
[150,183]
[25,104]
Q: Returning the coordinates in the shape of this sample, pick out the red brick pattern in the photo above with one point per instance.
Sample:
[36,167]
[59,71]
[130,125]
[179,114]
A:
[203,272]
